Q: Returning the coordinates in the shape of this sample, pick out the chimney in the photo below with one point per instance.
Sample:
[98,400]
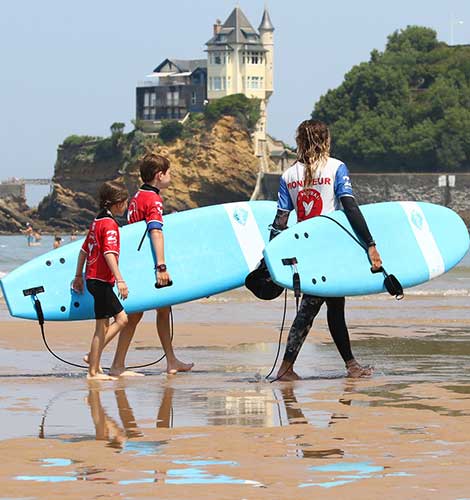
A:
[217,26]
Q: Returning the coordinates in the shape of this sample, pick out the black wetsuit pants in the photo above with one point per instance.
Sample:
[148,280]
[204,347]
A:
[309,308]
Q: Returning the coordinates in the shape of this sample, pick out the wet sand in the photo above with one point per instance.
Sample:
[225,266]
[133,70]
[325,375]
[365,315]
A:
[223,432]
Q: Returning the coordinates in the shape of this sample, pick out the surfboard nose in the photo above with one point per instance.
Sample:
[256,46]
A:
[450,233]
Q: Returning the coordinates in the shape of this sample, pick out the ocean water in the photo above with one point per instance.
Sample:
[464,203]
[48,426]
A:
[14,250]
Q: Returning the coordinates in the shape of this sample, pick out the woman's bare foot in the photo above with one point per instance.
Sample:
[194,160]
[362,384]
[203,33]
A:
[355,370]
[85,359]
[288,375]
[118,372]
[178,366]
[100,376]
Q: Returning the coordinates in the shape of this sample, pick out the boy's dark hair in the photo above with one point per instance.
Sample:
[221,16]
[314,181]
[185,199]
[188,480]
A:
[112,192]
[150,164]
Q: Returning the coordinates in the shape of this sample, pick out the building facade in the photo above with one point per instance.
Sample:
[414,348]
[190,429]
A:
[239,61]
[175,88]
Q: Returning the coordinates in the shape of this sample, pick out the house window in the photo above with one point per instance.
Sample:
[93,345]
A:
[217,80]
[193,97]
[254,82]
[172,98]
[218,59]
[149,105]
[255,57]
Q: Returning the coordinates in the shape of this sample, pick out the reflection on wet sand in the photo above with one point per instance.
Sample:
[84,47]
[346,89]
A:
[263,406]
[106,428]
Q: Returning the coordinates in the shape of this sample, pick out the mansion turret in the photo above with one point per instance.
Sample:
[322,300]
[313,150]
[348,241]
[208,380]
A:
[239,60]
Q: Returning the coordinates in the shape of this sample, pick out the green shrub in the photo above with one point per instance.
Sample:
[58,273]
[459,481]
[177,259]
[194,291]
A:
[170,130]
[247,111]
[79,140]
[117,128]
[105,150]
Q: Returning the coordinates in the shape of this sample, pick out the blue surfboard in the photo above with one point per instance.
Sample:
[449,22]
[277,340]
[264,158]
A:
[417,242]
[208,251]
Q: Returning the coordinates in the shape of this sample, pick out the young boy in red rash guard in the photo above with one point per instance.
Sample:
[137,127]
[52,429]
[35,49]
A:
[100,251]
[147,205]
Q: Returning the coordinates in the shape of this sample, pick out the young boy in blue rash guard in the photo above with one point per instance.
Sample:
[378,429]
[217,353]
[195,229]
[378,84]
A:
[318,184]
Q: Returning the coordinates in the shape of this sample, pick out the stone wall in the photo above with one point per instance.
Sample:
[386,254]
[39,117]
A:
[451,190]
[12,191]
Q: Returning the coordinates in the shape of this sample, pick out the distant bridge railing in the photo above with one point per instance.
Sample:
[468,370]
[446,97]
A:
[37,182]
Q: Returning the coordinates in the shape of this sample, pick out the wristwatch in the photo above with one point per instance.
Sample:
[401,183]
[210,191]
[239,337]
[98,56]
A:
[161,268]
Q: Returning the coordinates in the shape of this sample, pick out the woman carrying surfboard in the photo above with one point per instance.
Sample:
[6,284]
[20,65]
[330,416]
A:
[315,185]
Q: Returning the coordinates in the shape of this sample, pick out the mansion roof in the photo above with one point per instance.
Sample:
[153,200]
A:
[183,65]
[236,30]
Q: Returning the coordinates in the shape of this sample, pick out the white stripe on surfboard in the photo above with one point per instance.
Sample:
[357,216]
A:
[247,232]
[426,242]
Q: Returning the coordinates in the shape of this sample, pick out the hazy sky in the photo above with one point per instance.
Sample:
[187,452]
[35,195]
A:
[72,67]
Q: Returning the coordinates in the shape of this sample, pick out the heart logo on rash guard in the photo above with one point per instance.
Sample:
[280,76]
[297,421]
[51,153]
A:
[240,215]
[309,204]
[307,208]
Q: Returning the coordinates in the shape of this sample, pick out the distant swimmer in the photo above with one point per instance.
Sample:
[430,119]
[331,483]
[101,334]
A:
[29,233]
[100,251]
[73,235]
[57,241]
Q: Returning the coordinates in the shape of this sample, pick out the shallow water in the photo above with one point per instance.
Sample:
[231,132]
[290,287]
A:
[226,430]
[227,386]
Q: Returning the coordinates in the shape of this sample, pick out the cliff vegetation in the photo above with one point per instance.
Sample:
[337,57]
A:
[211,155]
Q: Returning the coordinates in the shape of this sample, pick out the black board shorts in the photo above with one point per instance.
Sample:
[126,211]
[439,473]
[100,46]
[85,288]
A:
[107,304]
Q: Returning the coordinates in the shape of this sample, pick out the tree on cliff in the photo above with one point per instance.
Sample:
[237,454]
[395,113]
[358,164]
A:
[407,108]
[117,128]
[245,110]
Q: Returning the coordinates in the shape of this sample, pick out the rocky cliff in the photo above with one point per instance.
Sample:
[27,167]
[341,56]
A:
[209,165]
[14,214]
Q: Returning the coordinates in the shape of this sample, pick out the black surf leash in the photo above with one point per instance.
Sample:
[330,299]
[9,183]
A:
[391,284]
[33,292]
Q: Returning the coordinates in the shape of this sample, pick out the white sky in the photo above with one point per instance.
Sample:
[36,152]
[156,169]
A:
[72,67]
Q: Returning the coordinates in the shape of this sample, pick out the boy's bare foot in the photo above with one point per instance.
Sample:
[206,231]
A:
[288,375]
[178,366]
[124,373]
[355,370]
[85,359]
[100,376]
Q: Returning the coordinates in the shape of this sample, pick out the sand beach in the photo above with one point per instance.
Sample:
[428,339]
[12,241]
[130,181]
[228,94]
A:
[223,431]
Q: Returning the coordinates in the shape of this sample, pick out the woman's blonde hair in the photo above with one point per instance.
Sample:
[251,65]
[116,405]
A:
[313,147]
